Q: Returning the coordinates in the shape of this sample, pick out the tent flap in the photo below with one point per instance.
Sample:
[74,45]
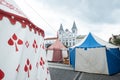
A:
[113,62]
[57,55]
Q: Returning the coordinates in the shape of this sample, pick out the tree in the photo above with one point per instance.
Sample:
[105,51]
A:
[117,41]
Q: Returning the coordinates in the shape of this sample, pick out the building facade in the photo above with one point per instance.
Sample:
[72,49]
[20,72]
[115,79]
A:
[68,38]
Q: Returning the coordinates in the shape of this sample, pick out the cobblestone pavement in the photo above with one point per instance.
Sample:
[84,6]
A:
[62,74]
[65,72]
[88,76]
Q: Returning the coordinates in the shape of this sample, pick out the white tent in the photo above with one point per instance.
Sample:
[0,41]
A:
[93,55]
[22,53]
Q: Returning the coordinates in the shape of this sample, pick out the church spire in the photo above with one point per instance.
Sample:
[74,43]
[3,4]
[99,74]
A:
[61,29]
[74,28]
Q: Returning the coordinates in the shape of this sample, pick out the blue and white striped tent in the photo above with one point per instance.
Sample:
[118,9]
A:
[93,55]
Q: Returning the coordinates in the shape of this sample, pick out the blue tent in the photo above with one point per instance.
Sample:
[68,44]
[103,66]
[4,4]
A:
[94,55]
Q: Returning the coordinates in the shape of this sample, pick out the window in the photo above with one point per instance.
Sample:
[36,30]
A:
[73,40]
[66,43]
[73,43]
[70,43]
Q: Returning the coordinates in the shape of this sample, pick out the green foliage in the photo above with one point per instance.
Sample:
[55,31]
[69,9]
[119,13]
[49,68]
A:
[117,42]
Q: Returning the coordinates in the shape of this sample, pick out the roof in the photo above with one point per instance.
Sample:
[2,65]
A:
[51,38]
[81,36]
[57,45]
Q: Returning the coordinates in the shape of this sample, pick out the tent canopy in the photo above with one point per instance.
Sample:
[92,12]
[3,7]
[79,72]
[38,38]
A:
[90,42]
[57,45]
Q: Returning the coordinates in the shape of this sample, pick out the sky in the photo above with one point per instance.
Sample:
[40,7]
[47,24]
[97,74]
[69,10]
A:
[100,17]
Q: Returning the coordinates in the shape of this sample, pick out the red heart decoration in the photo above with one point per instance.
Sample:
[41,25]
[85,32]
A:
[14,36]
[1,74]
[20,42]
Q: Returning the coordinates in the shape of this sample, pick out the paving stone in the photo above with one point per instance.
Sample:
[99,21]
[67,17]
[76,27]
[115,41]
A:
[62,74]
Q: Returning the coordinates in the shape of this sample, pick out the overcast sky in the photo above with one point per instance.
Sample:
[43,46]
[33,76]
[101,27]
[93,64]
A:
[101,17]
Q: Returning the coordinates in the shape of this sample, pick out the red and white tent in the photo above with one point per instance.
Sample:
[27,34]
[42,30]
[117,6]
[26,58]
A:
[56,52]
[22,53]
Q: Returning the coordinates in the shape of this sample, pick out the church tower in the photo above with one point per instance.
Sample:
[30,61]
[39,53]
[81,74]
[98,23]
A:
[60,32]
[68,38]
[74,29]
[60,29]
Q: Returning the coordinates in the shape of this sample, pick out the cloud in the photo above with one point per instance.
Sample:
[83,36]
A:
[101,11]
[97,16]
[91,11]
